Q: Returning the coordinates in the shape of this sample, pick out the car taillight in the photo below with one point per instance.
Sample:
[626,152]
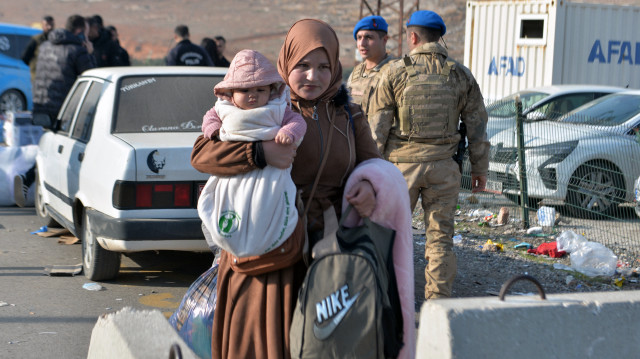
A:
[154,195]
[143,195]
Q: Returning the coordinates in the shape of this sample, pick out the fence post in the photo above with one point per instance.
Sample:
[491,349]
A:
[524,195]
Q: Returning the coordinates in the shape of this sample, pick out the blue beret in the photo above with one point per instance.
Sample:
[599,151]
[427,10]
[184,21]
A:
[373,22]
[426,18]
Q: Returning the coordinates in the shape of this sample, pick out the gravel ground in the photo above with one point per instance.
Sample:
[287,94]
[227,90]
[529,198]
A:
[483,272]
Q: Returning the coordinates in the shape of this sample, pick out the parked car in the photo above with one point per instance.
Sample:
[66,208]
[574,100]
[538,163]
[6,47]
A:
[15,78]
[116,170]
[542,103]
[538,104]
[636,191]
[588,158]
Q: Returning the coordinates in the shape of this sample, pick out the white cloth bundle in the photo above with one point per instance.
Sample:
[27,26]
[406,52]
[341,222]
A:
[252,213]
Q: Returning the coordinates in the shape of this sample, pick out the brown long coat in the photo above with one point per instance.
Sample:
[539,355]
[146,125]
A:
[253,313]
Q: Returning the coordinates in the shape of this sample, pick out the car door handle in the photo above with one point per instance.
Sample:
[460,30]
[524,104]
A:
[60,148]
[80,156]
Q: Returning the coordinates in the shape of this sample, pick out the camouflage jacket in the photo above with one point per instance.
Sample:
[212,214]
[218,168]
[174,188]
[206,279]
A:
[387,102]
[362,82]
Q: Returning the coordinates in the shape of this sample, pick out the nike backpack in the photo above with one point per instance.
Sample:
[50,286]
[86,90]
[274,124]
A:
[348,305]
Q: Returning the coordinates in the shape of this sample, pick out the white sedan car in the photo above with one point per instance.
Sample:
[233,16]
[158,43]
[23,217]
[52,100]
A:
[542,103]
[538,104]
[589,158]
[637,196]
[116,169]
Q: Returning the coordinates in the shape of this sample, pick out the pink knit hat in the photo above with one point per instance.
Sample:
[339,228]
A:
[249,68]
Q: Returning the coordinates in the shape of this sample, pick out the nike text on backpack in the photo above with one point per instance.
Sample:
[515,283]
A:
[348,305]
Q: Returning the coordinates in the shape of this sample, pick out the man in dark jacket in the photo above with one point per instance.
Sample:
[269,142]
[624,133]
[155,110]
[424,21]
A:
[61,58]
[105,49]
[30,53]
[186,53]
[122,56]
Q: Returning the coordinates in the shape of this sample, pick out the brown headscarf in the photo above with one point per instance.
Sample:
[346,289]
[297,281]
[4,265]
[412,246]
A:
[303,37]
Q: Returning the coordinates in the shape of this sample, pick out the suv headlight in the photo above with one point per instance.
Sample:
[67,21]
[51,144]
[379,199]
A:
[558,151]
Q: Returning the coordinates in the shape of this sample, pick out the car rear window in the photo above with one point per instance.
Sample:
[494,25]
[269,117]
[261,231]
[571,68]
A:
[163,103]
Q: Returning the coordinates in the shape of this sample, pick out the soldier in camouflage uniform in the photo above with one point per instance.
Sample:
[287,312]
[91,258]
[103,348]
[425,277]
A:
[371,37]
[414,119]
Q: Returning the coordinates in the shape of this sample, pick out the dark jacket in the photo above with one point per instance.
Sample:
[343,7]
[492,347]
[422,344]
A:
[122,56]
[60,60]
[186,53]
[30,53]
[222,62]
[105,49]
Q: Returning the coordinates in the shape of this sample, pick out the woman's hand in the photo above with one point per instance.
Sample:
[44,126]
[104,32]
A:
[279,156]
[363,198]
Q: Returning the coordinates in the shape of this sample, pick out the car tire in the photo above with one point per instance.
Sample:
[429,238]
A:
[12,100]
[595,189]
[41,209]
[97,262]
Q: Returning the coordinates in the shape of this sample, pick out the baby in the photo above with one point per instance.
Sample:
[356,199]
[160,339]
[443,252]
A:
[253,104]
[252,213]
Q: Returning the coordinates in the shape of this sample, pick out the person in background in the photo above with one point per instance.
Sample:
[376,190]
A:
[222,45]
[30,53]
[415,113]
[122,56]
[104,48]
[371,38]
[61,59]
[186,53]
[210,46]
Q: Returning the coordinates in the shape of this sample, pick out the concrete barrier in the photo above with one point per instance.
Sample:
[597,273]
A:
[139,334]
[588,325]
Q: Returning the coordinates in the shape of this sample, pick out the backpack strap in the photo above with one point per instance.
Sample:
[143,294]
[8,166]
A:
[353,127]
[408,65]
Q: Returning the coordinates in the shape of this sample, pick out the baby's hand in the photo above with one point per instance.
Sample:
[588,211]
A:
[283,139]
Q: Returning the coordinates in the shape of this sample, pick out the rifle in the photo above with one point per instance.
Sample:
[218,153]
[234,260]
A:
[462,145]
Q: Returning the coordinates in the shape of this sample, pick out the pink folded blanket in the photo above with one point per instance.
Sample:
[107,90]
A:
[392,211]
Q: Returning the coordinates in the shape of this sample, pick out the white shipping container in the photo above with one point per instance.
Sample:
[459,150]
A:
[514,45]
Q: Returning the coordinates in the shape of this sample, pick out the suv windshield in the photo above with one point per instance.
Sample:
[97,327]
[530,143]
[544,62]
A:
[174,103]
[506,107]
[611,110]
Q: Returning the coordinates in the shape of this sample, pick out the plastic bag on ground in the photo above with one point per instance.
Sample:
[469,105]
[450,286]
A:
[594,259]
[569,241]
[194,317]
[546,216]
[14,161]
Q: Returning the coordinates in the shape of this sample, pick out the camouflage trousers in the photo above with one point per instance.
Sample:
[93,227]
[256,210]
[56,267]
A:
[438,185]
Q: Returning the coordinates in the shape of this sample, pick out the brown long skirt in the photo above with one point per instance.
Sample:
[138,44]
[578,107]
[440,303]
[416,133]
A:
[253,313]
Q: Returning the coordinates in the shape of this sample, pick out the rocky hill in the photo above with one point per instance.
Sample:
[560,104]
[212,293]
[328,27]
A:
[146,26]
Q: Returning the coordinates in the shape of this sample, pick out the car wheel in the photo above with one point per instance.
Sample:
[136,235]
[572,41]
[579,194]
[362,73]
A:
[594,190]
[41,209]
[97,262]
[12,100]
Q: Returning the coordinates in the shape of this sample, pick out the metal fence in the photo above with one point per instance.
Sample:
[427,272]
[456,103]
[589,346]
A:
[583,168]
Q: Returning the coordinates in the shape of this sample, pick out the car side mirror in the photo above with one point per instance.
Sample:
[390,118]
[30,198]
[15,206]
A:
[535,116]
[42,119]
